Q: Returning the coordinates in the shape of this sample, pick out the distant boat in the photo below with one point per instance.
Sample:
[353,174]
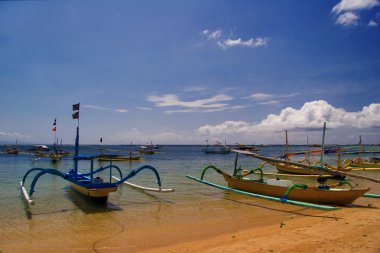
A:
[11,150]
[119,158]
[148,150]
[246,147]
[217,148]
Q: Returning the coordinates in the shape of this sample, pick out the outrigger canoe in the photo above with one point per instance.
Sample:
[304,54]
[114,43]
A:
[89,184]
[341,193]
[118,158]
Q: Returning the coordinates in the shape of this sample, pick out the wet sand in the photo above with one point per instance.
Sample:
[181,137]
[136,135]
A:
[217,222]
[346,230]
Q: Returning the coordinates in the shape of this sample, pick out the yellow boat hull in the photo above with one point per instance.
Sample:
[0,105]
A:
[336,196]
[93,192]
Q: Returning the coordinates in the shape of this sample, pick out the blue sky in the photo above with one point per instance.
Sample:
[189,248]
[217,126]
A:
[183,72]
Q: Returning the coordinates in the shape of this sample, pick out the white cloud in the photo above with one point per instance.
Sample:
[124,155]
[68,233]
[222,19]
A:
[372,23]
[269,99]
[212,35]
[227,42]
[144,108]
[98,107]
[195,89]
[258,42]
[139,137]
[308,118]
[354,5]
[14,135]
[347,19]
[172,100]
[347,11]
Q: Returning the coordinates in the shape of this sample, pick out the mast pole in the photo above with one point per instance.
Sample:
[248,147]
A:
[323,149]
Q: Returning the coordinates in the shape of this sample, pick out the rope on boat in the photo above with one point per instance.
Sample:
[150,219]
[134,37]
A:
[293,202]
[305,166]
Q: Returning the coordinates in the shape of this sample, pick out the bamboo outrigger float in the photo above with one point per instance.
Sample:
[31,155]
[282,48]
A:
[87,184]
[340,193]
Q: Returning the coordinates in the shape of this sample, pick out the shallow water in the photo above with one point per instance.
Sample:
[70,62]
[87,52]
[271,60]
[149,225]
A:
[132,219]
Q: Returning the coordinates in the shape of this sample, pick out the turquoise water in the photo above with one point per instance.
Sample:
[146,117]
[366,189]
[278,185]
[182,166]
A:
[62,212]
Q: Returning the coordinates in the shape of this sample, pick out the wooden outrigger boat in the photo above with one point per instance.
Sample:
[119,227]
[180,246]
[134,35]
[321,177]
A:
[341,193]
[119,158]
[285,189]
[358,162]
[88,184]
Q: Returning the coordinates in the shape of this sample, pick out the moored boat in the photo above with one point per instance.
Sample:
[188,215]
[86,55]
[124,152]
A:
[89,184]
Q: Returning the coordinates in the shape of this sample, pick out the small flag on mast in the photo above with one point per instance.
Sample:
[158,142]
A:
[76,115]
[55,122]
[101,139]
[76,107]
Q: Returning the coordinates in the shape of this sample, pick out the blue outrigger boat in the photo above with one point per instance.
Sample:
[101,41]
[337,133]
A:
[88,184]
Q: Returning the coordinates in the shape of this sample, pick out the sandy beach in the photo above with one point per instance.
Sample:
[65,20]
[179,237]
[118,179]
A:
[352,229]
[212,226]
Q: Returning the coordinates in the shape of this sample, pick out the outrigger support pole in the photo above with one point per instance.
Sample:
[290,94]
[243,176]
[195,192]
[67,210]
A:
[135,172]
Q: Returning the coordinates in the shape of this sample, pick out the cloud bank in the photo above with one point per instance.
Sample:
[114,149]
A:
[347,11]
[310,117]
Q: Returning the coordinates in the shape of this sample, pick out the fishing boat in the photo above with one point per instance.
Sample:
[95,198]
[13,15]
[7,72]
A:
[363,163]
[89,184]
[10,150]
[119,158]
[148,150]
[340,193]
[246,147]
[217,148]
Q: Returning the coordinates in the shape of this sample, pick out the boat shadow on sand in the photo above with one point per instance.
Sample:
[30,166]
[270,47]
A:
[258,203]
[86,204]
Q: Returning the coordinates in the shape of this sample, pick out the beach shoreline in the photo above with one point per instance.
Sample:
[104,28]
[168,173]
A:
[350,229]
[285,229]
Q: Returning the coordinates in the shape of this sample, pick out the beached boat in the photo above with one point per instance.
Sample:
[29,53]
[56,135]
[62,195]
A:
[88,184]
[340,193]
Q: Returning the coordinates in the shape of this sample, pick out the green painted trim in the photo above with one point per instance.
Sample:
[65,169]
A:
[371,195]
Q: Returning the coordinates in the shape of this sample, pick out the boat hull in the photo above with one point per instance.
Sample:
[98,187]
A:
[295,170]
[119,158]
[96,193]
[339,197]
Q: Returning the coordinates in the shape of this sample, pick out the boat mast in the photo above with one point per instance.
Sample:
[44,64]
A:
[76,116]
[286,145]
[322,149]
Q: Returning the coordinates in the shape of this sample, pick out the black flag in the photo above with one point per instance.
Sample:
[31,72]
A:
[55,122]
[76,115]
[101,139]
[76,107]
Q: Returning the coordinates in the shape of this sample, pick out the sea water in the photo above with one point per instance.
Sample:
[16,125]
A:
[63,217]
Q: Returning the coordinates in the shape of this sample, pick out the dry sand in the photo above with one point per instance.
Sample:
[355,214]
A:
[353,229]
[233,224]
